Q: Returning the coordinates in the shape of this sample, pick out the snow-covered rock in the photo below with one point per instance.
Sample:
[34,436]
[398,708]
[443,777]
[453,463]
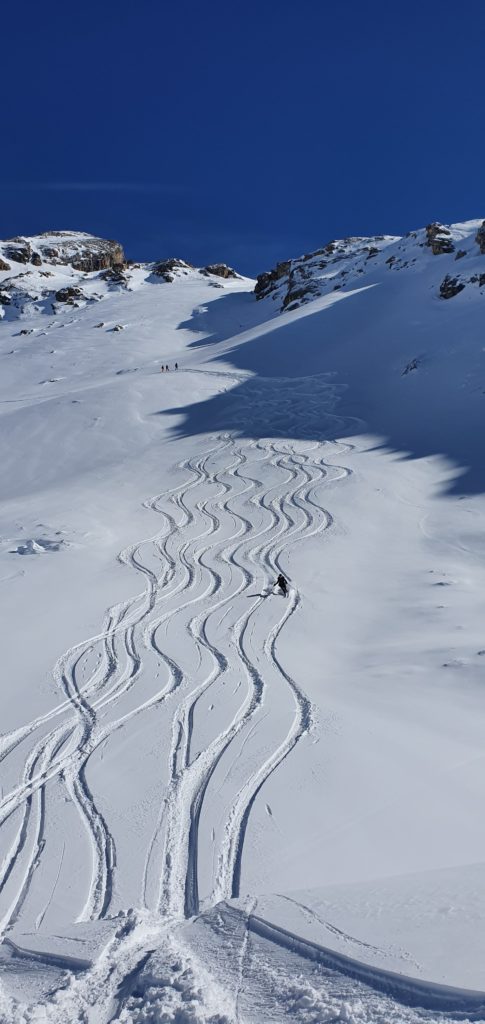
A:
[355,262]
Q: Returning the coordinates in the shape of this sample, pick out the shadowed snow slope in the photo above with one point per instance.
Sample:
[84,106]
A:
[219,804]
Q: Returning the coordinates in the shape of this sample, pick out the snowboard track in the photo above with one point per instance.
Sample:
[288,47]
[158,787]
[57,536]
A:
[225,530]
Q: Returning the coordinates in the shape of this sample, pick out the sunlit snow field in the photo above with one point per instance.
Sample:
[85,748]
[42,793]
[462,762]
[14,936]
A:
[220,804]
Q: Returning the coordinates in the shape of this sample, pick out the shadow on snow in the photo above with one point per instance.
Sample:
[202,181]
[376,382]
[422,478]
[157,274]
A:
[337,370]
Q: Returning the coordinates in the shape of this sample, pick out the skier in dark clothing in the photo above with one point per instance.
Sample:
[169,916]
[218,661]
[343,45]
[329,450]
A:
[283,584]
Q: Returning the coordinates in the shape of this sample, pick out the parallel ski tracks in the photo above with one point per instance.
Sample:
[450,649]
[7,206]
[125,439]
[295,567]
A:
[207,554]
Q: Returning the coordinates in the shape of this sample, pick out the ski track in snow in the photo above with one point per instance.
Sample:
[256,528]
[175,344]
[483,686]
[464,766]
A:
[225,529]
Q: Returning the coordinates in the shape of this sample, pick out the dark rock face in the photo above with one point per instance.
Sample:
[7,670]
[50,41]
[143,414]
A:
[5,299]
[165,268]
[82,252]
[19,250]
[438,239]
[4,265]
[298,289]
[86,254]
[450,286]
[219,270]
[69,295]
[478,279]
[89,262]
[266,282]
[480,238]
[293,298]
[460,254]
[115,275]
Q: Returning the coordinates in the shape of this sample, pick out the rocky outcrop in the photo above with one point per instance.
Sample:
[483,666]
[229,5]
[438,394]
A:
[330,268]
[69,248]
[69,294]
[90,261]
[5,299]
[115,275]
[219,270]
[295,296]
[480,238]
[4,265]
[267,282]
[450,286]
[438,239]
[18,250]
[165,269]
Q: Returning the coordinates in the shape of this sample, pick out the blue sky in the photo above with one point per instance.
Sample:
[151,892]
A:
[240,132]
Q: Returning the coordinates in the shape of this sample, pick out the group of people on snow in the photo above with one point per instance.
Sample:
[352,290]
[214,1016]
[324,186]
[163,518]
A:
[166,368]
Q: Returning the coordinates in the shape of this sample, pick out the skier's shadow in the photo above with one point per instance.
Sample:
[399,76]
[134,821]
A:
[267,593]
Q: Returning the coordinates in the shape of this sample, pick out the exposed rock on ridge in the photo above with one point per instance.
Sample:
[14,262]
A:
[438,239]
[480,238]
[293,282]
[166,268]
[76,249]
[219,270]
[361,262]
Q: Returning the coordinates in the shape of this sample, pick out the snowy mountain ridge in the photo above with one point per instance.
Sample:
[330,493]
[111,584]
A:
[351,262]
[39,272]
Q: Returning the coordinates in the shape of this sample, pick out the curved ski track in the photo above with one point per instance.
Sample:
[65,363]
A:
[223,535]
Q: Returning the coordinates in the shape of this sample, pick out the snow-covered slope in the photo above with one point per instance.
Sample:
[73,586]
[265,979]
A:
[218,804]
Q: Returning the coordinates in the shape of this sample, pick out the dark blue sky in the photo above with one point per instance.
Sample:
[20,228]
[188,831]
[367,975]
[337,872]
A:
[242,132]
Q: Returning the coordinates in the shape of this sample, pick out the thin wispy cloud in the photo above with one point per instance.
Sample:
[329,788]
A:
[98,186]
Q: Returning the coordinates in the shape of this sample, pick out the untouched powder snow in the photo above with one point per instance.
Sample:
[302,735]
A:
[218,804]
